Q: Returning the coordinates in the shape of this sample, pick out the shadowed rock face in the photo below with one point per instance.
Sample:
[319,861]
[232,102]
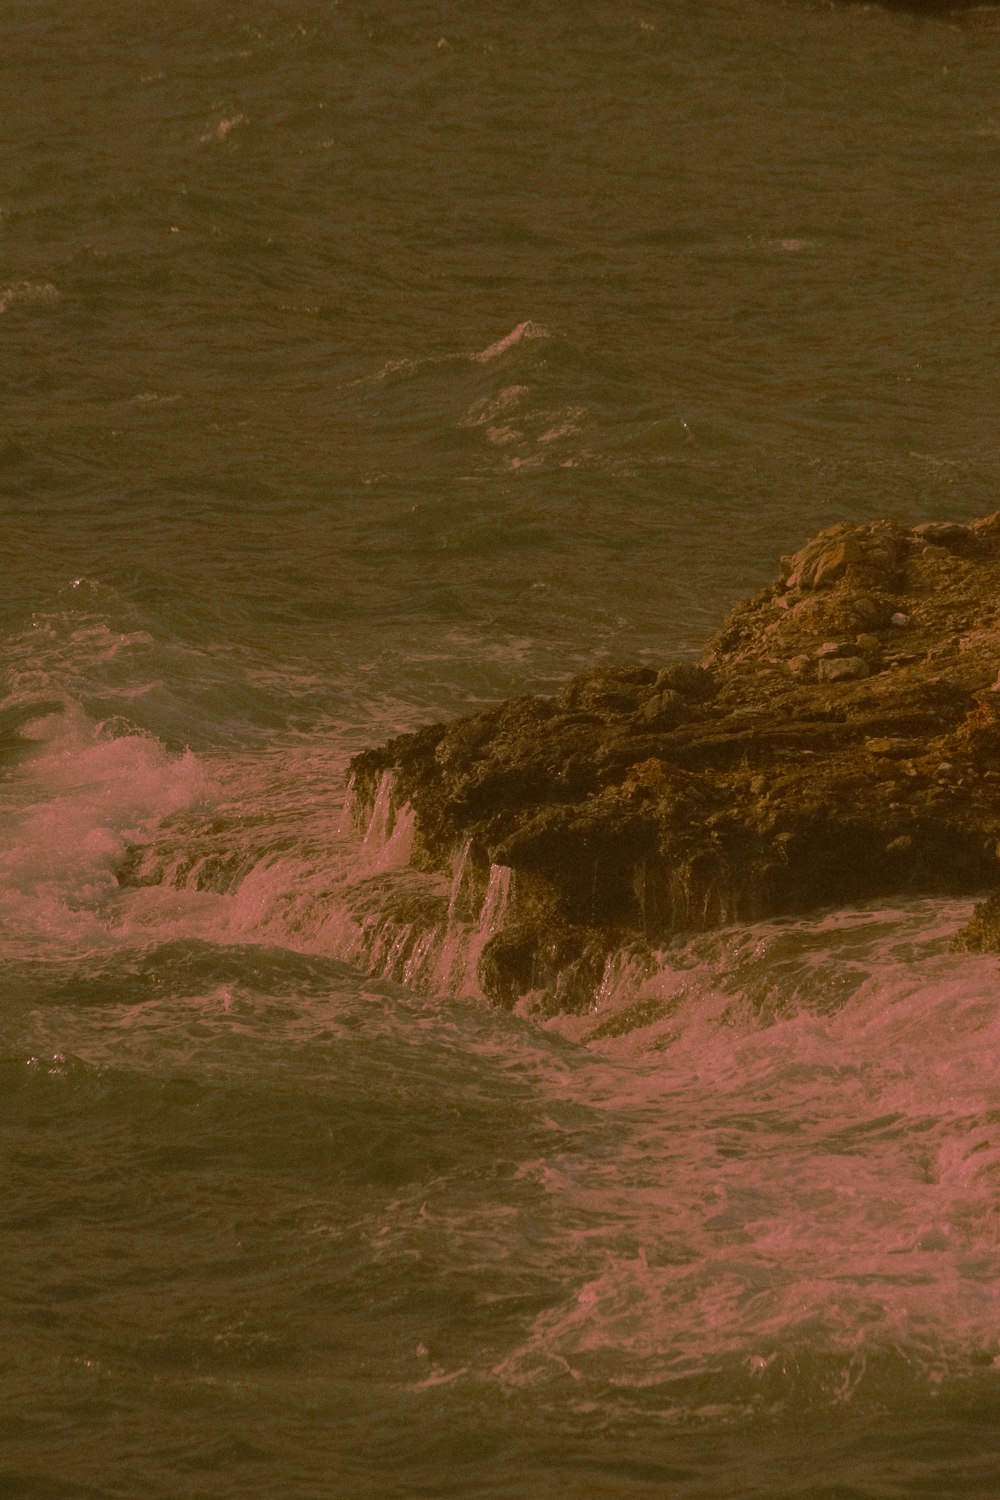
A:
[840,740]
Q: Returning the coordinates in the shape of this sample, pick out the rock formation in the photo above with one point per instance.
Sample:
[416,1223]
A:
[838,741]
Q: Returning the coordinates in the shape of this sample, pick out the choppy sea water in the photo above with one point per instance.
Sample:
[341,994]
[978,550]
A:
[363,365]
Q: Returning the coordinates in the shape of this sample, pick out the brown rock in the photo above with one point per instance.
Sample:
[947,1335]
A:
[842,668]
[787,771]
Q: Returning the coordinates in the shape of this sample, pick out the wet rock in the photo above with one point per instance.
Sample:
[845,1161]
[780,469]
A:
[803,762]
[981,934]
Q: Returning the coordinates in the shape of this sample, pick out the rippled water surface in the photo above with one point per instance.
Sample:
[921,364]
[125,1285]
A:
[363,365]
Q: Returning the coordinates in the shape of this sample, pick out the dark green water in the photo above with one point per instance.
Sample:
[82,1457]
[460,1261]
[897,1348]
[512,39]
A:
[362,365]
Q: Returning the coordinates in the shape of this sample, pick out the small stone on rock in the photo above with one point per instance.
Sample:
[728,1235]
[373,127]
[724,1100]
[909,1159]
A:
[891,745]
[843,669]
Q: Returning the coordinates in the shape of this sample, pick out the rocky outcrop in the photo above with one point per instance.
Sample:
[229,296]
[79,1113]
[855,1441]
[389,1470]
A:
[838,741]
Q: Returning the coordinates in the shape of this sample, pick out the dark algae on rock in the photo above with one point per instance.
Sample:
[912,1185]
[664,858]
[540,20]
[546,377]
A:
[839,741]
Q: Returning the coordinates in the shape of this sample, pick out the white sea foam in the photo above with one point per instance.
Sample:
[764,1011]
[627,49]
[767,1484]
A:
[32,295]
[796,1203]
[805,1212]
[222,129]
[69,817]
[405,368]
[388,838]
[524,331]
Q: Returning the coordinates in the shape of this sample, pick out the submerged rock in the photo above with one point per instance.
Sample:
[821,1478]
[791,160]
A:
[805,761]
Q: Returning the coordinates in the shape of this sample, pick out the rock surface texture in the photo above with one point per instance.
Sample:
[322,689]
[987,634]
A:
[838,741]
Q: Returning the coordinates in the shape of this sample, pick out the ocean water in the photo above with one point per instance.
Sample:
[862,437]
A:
[364,364]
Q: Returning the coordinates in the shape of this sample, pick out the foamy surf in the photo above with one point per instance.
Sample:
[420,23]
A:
[526,331]
[72,811]
[364,366]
